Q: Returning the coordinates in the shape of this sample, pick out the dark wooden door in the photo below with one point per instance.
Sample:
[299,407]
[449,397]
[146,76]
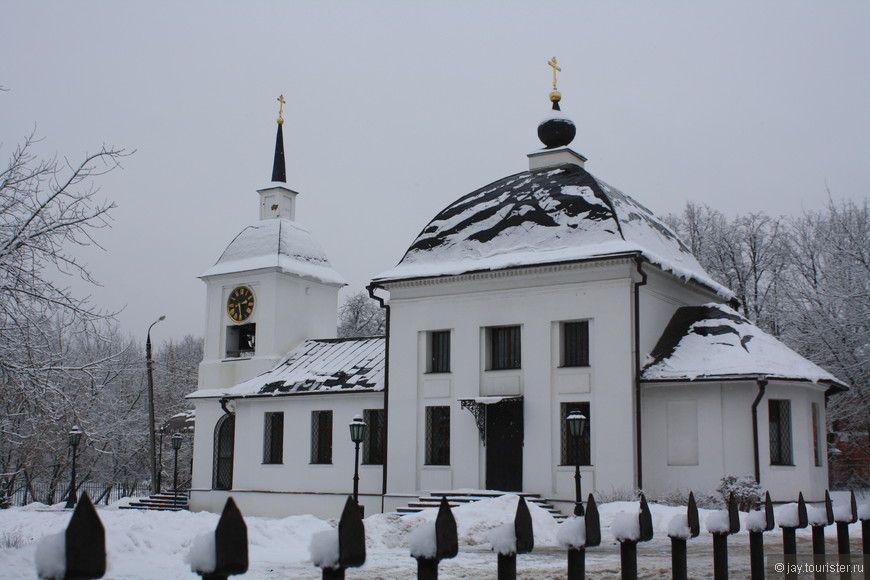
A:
[504,446]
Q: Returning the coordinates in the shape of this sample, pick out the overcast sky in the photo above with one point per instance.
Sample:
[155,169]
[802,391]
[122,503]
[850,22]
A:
[396,109]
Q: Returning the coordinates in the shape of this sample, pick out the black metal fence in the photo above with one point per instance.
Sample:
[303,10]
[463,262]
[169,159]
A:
[49,494]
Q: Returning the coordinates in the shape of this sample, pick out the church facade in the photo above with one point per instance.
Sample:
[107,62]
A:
[541,294]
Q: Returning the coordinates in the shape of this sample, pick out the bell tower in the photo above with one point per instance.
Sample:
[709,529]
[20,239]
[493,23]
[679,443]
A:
[271,288]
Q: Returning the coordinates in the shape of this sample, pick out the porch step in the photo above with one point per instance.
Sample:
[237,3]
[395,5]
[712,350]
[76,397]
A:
[458,498]
[160,501]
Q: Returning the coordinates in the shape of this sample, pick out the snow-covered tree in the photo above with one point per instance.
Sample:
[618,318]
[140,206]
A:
[361,315]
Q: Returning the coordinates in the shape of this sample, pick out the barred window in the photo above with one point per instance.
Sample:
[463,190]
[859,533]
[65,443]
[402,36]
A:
[321,436]
[504,347]
[373,444]
[439,352]
[437,435]
[817,442]
[224,444]
[779,424]
[575,452]
[575,344]
[273,438]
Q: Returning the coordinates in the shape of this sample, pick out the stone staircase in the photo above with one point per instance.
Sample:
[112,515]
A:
[167,501]
[457,498]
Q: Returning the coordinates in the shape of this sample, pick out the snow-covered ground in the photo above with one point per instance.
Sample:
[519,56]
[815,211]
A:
[145,545]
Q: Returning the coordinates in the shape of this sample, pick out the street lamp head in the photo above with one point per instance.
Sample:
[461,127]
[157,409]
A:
[162,317]
[576,423]
[357,429]
[176,441]
[75,436]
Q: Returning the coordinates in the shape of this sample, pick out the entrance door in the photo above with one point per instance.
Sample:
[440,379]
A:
[504,445]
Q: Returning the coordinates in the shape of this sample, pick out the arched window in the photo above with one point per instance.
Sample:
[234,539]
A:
[224,441]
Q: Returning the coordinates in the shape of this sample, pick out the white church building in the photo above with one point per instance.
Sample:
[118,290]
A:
[542,293]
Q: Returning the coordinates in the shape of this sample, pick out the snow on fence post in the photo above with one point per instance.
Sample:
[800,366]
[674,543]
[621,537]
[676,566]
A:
[334,551]
[819,518]
[680,529]
[629,529]
[577,534]
[431,543]
[722,524]
[512,539]
[789,521]
[845,515]
[225,553]
[79,553]
[758,522]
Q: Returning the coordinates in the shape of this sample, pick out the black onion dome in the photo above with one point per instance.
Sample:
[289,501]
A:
[557,130]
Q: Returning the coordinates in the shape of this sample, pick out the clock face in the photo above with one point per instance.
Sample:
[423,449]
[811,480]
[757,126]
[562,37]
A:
[240,304]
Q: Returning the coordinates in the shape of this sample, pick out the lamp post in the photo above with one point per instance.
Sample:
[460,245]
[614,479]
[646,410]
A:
[75,436]
[576,424]
[150,372]
[357,434]
[176,445]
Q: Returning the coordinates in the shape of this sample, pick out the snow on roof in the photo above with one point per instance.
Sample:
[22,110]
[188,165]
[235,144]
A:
[277,243]
[319,365]
[538,217]
[714,342]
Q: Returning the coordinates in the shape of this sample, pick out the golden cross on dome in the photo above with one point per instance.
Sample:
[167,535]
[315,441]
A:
[281,109]
[556,67]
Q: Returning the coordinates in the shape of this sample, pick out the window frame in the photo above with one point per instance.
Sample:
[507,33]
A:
[569,454]
[437,435]
[780,432]
[571,356]
[504,347]
[816,433]
[374,444]
[438,351]
[273,438]
[321,437]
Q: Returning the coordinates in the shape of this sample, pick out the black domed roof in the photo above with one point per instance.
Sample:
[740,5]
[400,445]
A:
[544,216]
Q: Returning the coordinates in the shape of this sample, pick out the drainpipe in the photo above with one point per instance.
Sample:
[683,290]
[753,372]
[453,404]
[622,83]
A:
[382,301]
[762,384]
[637,397]
[223,401]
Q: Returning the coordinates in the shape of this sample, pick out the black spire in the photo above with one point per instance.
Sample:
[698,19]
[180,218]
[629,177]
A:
[558,130]
[279,169]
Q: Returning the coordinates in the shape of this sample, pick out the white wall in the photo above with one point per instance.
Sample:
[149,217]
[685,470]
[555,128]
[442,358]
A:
[723,431]
[295,485]
[287,310]
[535,299]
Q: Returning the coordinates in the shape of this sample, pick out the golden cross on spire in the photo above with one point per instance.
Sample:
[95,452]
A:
[281,102]
[556,67]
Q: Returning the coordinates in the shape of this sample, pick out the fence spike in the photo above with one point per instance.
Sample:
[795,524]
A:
[85,542]
[523,528]
[803,519]
[231,541]
[733,515]
[593,523]
[645,521]
[351,537]
[446,540]
[854,508]
[829,508]
[692,516]
[769,521]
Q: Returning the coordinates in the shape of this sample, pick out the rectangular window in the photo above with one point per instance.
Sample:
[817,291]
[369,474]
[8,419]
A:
[574,451]
[575,344]
[437,435]
[779,425]
[439,352]
[273,438]
[504,347]
[817,441]
[241,340]
[373,444]
[321,436]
